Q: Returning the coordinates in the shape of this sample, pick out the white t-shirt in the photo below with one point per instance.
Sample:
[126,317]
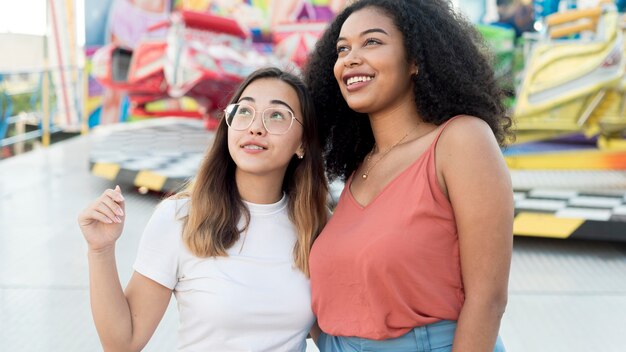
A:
[253,300]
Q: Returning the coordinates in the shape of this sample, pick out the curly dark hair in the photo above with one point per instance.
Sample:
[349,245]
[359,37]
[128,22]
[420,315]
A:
[455,76]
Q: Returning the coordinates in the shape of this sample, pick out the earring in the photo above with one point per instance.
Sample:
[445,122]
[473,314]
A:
[300,156]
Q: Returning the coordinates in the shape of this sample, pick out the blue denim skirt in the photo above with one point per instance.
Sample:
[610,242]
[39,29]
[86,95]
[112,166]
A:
[436,337]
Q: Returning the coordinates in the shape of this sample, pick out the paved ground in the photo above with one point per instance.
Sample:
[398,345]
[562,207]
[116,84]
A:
[564,295]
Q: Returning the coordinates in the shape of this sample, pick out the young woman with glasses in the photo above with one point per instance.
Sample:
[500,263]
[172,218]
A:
[416,255]
[234,249]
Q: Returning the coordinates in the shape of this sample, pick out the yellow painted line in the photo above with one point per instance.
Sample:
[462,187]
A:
[150,180]
[545,225]
[106,170]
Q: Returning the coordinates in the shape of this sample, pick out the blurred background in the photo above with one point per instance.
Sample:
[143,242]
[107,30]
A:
[95,93]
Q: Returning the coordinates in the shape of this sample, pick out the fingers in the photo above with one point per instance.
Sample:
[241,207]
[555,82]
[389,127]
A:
[115,194]
[93,214]
[112,204]
[104,209]
[110,201]
[108,208]
[122,203]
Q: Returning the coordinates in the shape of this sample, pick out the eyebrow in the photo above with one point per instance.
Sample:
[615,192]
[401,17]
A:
[246,98]
[372,30]
[274,102]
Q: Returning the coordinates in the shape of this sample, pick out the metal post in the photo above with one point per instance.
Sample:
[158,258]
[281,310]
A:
[45,85]
[45,106]
[85,120]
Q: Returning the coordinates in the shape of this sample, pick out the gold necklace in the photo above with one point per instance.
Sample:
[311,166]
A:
[369,155]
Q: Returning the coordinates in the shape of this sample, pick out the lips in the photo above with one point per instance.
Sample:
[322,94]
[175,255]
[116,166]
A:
[358,79]
[253,146]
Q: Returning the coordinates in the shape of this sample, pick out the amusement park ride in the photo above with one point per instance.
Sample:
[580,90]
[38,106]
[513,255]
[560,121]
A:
[568,162]
[202,56]
[570,122]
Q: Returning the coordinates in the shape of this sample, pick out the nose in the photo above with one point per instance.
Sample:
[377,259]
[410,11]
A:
[257,127]
[352,59]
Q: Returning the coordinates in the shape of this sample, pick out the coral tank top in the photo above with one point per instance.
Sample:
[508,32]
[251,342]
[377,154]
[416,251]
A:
[381,270]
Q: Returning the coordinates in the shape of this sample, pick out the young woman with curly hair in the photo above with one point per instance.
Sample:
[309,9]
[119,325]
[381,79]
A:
[416,256]
[234,249]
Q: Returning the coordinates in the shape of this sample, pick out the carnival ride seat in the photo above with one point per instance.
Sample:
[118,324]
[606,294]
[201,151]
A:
[120,63]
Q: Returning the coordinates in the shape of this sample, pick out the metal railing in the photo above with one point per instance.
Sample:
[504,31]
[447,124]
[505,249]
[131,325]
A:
[29,98]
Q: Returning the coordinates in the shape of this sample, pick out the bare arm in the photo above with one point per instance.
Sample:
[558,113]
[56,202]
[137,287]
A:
[315,332]
[124,321]
[479,188]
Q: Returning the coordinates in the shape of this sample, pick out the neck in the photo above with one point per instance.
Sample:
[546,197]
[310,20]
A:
[259,189]
[391,125]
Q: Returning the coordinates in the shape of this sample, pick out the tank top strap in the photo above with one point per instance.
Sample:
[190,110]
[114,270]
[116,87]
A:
[445,124]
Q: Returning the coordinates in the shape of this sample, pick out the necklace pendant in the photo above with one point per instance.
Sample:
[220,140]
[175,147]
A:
[364,176]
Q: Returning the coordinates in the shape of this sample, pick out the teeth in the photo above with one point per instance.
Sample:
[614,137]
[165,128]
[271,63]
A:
[356,79]
[255,147]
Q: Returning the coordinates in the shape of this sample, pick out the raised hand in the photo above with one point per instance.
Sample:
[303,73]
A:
[102,221]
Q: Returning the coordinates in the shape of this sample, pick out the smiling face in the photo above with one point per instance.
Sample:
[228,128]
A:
[254,150]
[371,68]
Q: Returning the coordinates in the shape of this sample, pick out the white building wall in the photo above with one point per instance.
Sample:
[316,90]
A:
[21,52]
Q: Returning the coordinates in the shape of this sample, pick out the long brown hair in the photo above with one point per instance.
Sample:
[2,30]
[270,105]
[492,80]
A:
[210,227]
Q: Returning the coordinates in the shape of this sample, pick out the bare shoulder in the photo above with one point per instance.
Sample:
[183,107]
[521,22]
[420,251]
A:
[466,143]
[469,161]
[467,136]
[467,129]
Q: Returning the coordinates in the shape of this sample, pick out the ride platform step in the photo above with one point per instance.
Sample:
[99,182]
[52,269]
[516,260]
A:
[154,155]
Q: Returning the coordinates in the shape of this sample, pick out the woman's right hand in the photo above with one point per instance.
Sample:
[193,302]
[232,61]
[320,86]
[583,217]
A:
[102,221]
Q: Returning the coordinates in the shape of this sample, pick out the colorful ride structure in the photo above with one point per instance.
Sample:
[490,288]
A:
[569,159]
[574,90]
[202,56]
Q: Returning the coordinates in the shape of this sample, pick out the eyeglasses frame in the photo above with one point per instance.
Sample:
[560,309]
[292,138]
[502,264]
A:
[293,117]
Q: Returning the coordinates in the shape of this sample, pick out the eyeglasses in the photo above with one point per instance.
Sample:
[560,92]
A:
[275,120]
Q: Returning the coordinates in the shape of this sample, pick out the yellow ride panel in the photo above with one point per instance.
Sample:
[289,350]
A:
[106,170]
[544,225]
[150,180]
